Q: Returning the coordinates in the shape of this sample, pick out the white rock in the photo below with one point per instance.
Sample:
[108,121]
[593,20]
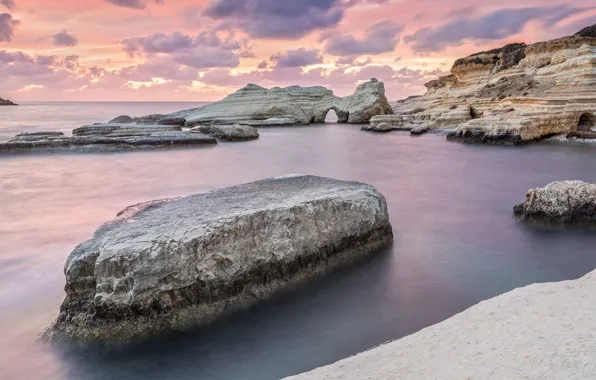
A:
[542,331]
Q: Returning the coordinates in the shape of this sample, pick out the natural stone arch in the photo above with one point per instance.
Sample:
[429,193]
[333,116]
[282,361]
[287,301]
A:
[587,122]
[321,115]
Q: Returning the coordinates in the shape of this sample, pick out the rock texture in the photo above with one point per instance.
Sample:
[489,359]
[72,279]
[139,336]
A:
[105,137]
[512,95]
[154,119]
[6,102]
[560,203]
[542,331]
[176,263]
[234,132]
[257,106]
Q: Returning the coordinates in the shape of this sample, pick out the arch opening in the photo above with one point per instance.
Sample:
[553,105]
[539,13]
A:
[587,122]
[331,116]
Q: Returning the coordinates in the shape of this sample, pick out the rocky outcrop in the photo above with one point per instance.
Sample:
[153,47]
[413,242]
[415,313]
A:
[234,132]
[105,137]
[154,119]
[542,331]
[177,263]
[512,95]
[6,102]
[257,106]
[560,203]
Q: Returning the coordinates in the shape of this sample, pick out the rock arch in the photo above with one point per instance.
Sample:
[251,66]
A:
[587,122]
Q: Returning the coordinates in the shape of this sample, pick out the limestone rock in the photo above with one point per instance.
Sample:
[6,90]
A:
[513,95]
[105,137]
[228,132]
[536,332]
[256,106]
[119,130]
[560,202]
[122,119]
[380,127]
[6,102]
[420,130]
[177,263]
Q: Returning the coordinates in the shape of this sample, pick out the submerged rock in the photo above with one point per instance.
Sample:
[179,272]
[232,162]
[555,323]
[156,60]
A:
[176,263]
[229,132]
[541,331]
[560,203]
[6,102]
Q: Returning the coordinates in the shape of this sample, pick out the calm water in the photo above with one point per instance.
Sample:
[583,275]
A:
[450,204]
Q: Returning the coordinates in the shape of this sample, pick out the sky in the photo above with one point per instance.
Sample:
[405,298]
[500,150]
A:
[201,50]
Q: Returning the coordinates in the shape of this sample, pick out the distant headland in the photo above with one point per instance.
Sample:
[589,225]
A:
[6,102]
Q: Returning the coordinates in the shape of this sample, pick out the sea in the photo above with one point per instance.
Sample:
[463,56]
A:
[456,242]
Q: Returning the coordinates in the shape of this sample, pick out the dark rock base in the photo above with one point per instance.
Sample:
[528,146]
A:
[201,303]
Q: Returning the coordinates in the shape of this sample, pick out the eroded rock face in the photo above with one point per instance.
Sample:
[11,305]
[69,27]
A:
[176,263]
[548,88]
[106,137]
[6,102]
[257,106]
[235,132]
[560,203]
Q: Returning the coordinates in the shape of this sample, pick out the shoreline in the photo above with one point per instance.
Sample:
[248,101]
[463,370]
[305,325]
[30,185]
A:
[525,333]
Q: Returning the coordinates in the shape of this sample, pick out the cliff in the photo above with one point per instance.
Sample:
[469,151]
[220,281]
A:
[515,94]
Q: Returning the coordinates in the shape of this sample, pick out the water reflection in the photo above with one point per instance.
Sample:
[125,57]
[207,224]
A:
[455,245]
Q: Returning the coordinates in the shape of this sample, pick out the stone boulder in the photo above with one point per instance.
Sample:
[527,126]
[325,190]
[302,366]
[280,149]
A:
[177,263]
[380,127]
[228,132]
[419,130]
[560,203]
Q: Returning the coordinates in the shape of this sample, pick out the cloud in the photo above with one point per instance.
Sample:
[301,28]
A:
[64,39]
[263,65]
[275,19]
[9,4]
[380,38]
[297,58]
[135,4]
[7,27]
[493,26]
[157,43]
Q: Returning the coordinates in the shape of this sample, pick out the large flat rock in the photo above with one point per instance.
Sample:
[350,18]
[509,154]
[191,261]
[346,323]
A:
[542,331]
[106,137]
[172,264]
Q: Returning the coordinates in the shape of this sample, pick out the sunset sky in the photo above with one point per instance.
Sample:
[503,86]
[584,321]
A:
[176,50]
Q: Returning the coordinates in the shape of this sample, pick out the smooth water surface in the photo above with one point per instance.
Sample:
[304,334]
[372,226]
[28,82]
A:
[450,205]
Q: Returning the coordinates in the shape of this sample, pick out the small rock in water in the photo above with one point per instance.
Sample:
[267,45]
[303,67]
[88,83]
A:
[560,203]
[234,132]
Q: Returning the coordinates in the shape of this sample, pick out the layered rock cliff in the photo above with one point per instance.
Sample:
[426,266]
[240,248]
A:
[257,106]
[514,95]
